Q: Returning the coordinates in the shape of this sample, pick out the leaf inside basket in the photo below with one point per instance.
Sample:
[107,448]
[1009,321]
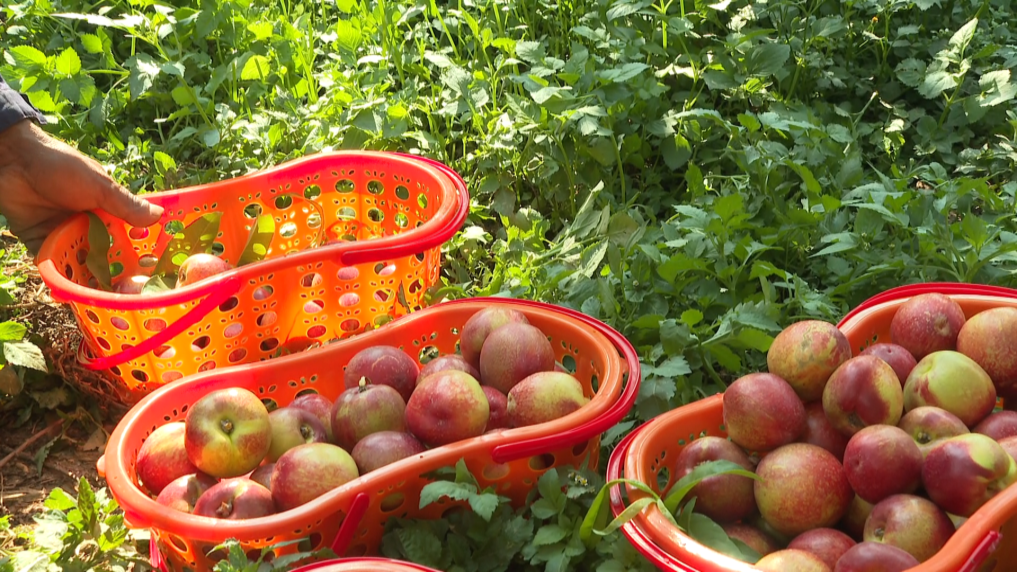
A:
[196,237]
[97,259]
[259,240]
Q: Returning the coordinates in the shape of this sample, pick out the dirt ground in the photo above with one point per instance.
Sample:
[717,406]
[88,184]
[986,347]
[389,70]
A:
[23,488]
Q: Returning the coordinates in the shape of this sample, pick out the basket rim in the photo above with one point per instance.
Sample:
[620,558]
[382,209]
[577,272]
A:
[450,216]
[608,406]
[650,531]
[380,564]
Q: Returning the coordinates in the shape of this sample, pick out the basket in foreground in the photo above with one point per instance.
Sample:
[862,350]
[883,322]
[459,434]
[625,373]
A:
[367,564]
[386,216]
[984,543]
[510,460]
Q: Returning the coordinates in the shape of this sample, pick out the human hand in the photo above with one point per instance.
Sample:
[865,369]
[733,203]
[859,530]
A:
[44,181]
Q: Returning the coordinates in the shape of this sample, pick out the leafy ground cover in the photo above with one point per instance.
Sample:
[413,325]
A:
[697,174]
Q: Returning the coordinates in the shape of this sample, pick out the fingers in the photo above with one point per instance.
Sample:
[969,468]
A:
[123,204]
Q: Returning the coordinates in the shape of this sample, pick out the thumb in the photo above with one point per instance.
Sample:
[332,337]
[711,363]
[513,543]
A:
[123,204]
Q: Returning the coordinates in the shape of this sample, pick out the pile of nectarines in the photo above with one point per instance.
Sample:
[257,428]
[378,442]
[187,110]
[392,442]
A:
[232,458]
[866,462]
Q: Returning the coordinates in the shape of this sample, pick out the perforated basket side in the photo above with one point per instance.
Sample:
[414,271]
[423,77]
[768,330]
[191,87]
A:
[600,365]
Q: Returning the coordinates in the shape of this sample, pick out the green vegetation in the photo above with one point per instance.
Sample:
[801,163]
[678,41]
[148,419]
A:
[749,164]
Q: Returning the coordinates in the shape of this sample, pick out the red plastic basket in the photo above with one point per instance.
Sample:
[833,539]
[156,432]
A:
[364,565]
[389,213]
[510,460]
[979,545]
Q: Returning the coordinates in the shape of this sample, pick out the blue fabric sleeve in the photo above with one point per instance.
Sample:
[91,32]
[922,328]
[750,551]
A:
[15,108]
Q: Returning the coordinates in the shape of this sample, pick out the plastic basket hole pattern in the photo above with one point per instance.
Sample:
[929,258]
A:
[382,202]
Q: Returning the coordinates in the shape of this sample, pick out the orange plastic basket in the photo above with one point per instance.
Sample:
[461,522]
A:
[986,542]
[364,565]
[387,215]
[510,460]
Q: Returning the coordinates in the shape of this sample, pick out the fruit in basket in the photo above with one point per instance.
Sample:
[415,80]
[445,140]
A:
[819,431]
[383,365]
[802,487]
[724,498]
[962,473]
[512,353]
[365,409]
[928,425]
[998,425]
[927,323]
[805,354]
[308,471]
[228,432]
[263,475]
[1009,445]
[291,427]
[780,538]
[952,381]
[162,458]
[863,391]
[875,557]
[827,543]
[480,325]
[183,493]
[320,406]
[762,412]
[791,560]
[497,403]
[755,538]
[200,266]
[447,407]
[858,512]
[988,338]
[882,460]
[912,523]
[235,499]
[896,356]
[543,397]
[383,448]
[131,284]
[446,362]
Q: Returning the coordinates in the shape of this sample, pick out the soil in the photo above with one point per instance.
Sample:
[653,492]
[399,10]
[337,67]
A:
[23,489]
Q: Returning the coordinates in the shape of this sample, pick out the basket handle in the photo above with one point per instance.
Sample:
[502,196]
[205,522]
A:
[226,288]
[586,431]
[986,547]
[348,528]
[436,238]
[948,288]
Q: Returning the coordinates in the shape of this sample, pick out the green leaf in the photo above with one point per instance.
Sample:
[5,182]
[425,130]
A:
[549,534]
[258,241]
[420,544]
[531,52]
[672,367]
[97,260]
[59,500]
[485,504]
[196,238]
[626,515]
[12,331]
[27,57]
[705,470]
[709,533]
[160,283]
[257,68]
[433,492]
[68,62]
[144,70]
[261,30]
[767,59]
[960,40]
[910,72]
[936,83]
[24,354]
[996,88]
[725,357]
[691,317]
[91,43]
